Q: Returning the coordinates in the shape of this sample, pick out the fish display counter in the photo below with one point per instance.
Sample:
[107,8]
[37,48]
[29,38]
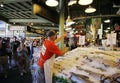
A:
[88,65]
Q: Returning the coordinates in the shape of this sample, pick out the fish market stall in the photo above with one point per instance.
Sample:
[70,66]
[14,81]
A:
[88,65]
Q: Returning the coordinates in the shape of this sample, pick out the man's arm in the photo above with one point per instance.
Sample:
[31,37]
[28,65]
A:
[58,39]
[64,50]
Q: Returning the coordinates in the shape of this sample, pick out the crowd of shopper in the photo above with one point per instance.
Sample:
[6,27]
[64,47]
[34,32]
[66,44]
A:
[29,55]
[16,53]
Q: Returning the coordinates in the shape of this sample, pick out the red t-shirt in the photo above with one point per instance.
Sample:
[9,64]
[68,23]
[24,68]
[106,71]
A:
[47,51]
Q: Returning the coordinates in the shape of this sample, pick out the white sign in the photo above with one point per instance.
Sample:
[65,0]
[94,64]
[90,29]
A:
[81,40]
[113,36]
[18,28]
[111,39]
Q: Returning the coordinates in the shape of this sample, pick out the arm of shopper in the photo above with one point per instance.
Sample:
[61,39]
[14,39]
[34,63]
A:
[60,38]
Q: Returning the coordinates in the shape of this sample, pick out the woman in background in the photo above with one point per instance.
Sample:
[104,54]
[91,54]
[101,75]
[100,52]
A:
[22,58]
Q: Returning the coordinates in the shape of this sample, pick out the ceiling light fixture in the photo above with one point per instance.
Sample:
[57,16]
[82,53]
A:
[108,28]
[69,21]
[51,3]
[107,21]
[85,2]
[1,5]
[90,10]
[106,31]
[71,2]
[14,23]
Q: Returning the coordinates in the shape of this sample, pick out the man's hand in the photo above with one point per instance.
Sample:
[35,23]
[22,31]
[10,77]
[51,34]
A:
[66,49]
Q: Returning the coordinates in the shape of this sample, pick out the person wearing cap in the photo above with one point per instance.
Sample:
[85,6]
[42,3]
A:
[48,49]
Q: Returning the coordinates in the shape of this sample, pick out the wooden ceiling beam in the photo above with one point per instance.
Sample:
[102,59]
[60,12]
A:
[45,13]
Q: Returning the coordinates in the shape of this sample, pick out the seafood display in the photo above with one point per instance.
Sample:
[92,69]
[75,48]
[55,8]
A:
[88,65]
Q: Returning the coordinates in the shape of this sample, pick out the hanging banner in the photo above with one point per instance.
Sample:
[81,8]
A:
[17,28]
[96,22]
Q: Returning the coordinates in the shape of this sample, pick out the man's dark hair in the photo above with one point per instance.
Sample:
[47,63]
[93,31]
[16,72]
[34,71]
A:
[50,33]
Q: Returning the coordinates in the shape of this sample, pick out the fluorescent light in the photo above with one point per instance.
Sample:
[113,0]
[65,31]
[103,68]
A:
[85,2]
[51,3]
[90,10]
[71,2]
[107,21]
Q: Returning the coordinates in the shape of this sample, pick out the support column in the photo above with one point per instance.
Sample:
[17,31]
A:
[61,22]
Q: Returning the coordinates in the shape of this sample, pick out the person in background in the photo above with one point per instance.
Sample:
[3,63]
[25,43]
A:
[15,45]
[31,49]
[48,49]
[3,56]
[9,51]
[74,45]
[22,58]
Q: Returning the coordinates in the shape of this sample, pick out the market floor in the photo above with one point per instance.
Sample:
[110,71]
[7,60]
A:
[14,77]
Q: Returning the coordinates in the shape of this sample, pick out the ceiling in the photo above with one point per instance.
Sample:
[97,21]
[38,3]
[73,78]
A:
[21,12]
[104,9]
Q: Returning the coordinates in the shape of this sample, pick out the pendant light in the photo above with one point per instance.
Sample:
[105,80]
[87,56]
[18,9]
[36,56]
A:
[71,2]
[69,21]
[85,2]
[107,21]
[90,10]
[1,5]
[51,3]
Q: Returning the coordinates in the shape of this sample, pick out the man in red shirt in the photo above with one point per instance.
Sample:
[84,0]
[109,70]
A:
[48,49]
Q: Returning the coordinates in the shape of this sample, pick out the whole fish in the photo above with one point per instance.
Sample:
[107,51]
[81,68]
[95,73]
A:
[79,78]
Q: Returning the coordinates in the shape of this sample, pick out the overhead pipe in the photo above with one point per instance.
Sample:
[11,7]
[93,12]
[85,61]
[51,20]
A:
[100,16]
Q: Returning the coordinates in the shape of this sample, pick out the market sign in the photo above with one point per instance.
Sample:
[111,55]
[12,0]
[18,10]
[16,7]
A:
[17,28]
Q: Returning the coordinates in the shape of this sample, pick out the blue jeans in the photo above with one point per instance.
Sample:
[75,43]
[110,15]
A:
[38,74]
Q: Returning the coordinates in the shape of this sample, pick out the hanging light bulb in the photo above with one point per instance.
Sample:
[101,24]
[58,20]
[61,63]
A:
[90,10]
[14,23]
[51,3]
[71,2]
[85,2]
[1,5]
[69,21]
